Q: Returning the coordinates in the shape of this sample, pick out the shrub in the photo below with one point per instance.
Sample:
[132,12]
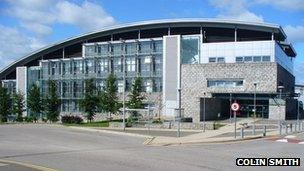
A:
[28,119]
[157,121]
[70,119]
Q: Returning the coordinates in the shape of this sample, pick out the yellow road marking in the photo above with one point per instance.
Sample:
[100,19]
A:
[28,165]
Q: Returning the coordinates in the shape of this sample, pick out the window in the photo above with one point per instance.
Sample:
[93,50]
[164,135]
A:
[103,65]
[148,86]
[131,64]
[212,60]
[248,59]
[225,83]
[120,86]
[147,60]
[221,60]
[266,58]
[257,59]
[239,59]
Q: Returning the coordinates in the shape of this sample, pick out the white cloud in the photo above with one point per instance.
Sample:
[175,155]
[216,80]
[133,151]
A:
[88,16]
[235,9]
[38,16]
[14,45]
[283,4]
[295,34]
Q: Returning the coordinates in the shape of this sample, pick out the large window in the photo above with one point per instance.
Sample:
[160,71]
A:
[103,65]
[131,48]
[117,49]
[78,67]
[224,83]
[190,47]
[145,47]
[131,64]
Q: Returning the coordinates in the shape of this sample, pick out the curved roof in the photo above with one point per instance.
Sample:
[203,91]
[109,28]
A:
[152,24]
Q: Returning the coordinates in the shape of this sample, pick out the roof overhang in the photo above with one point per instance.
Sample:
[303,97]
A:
[164,23]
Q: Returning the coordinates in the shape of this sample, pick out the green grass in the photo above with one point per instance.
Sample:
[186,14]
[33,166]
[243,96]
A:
[218,125]
[95,124]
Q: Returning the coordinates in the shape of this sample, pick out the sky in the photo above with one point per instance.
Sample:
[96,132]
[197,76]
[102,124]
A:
[27,25]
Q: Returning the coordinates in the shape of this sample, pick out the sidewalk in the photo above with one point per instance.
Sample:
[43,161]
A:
[213,136]
[161,137]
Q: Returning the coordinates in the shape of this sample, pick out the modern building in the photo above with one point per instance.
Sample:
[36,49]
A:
[207,63]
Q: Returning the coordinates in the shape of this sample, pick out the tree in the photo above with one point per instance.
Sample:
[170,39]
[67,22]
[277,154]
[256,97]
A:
[4,103]
[108,99]
[52,102]
[90,101]
[18,105]
[135,97]
[34,101]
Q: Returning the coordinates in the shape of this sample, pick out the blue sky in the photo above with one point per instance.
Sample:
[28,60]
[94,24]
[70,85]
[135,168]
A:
[26,25]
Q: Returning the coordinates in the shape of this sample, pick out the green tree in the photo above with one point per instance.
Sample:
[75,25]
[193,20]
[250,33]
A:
[4,103]
[52,102]
[108,99]
[18,105]
[135,98]
[90,101]
[34,101]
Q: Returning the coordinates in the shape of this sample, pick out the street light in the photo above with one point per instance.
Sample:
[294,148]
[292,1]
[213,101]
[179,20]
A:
[298,116]
[254,104]
[123,93]
[204,113]
[230,100]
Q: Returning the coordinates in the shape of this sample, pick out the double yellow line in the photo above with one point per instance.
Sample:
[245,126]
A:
[41,168]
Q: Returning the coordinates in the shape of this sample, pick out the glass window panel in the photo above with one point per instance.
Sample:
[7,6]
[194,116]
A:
[145,47]
[212,60]
[248,58]
[266,58]
[190,49]
[221,60]
[239,59]
[257,59]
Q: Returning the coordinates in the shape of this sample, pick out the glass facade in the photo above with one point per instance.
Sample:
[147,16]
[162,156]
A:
[190,49]
[10,85]
[143,57]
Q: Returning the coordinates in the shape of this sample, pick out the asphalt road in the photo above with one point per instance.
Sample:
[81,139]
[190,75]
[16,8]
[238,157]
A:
[67,149]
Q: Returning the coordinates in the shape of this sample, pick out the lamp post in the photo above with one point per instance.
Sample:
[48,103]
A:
[298,115]
[123,93]
[280,97]
[230,100]
[204,114]
[254,108]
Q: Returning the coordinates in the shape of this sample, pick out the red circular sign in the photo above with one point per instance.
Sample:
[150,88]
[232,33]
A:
[235,107]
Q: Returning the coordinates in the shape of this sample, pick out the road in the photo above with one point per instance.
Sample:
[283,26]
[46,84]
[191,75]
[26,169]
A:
[67,149]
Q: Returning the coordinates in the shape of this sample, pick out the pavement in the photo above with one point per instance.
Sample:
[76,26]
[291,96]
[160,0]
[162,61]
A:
[164,137]
[67,149]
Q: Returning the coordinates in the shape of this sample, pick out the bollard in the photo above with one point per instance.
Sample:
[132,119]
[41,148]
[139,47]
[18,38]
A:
[295,128]
[290,128]
[280,129]
[264,131]
[242,133]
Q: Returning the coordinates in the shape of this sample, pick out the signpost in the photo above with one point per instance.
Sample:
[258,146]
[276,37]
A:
[235,107]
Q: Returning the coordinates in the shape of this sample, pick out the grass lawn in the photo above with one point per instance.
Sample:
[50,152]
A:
[94,124]
[218,125]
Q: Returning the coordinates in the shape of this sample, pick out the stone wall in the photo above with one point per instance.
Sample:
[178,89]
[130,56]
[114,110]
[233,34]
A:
[195,76]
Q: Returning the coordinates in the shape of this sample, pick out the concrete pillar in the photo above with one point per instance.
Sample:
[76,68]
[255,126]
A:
[21,83]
